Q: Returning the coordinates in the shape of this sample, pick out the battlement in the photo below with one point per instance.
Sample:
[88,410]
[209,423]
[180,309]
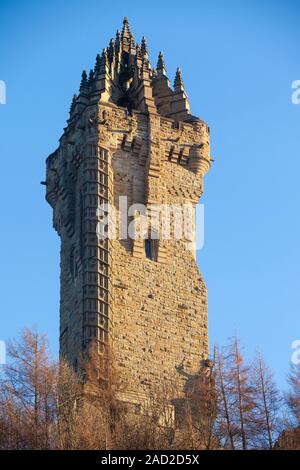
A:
[180,143]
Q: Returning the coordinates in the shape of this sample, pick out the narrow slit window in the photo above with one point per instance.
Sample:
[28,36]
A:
[151,249]
[148,248]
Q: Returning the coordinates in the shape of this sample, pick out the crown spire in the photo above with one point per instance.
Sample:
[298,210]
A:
[124,63]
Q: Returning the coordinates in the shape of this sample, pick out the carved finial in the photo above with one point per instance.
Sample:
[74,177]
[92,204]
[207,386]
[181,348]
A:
[146,64]
[84,80]
[178,82]
[104,57]
[91,77]
[144,46]
[138,52]
[111,49]
[160,62]
[161,68]
[138,58]
[72,107]
[118,42]
[126,29]
[132,44]
[98,63]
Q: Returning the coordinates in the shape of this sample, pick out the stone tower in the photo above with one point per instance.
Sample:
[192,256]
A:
[130,134]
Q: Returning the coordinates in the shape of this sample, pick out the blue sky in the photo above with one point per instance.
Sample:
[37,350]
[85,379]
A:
[238,59]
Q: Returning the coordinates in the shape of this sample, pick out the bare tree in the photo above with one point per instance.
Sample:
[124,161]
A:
[27,391]
[44,405]
[148,424]
[202,408]
[225,427]
[10,419]
[293,395]
[290,437]
[242,391]
[67,397]
[236,398]
[144,423]
[267,419]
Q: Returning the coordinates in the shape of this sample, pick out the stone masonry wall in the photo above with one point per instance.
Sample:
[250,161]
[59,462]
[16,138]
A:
[159,324]
[152,314]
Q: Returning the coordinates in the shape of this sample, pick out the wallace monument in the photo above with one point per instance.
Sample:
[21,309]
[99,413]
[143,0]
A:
[139,302]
